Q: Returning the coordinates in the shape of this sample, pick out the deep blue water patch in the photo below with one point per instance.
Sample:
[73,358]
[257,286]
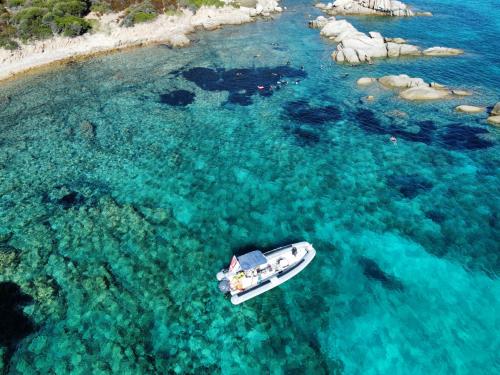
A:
[242,83]
[462,137]
[424,135]
[301,111]
[177,98]
[373,271]
[435,216]
[369,122]
[409,185]
[14,324]
[306,137]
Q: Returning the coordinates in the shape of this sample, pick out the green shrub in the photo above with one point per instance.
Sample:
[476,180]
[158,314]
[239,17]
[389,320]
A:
[143,17]
[15,3]
[70,8]
[139,13]
[8,43]
[100,7]
[200,3]
[71,25]
[29,23]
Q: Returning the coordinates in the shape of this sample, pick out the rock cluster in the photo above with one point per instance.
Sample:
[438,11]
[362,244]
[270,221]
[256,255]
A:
[356,47]
[464,108]
[367,7]
[494,118]
[412,88]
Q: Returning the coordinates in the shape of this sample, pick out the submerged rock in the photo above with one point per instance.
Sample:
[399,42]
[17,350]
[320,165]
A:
[461,92]
[87,130]
[177,98]
[301,111]
[469,109]
[463,137]
[373,271]
[442,51]
[410,185]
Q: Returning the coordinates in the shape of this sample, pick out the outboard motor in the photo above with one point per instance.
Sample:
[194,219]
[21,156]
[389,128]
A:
[224,286]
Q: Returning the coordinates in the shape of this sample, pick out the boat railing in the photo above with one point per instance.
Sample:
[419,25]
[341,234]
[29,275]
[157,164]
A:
[278,249]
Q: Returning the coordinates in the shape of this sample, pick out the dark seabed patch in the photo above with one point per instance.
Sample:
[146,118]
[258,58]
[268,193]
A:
[302,111]
[373,271]
[62,196]
[242,83]
[409,185]
[424,135]
[460,137]
[369,122]
[177,98]
[435,216]
[14,324]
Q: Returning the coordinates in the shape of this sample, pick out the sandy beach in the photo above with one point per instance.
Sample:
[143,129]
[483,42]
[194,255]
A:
[108,36]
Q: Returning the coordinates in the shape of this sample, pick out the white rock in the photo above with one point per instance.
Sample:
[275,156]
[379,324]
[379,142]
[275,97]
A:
[494,120]
[393,49]
[469,109]
[338,56]
[409,50]
[423,93]
[351,56]
[375,35]
[318,23]
[496,109]
[442,51]
[334,28]
[365,81]
[437,85]
[461,92]
[395,40]
[401,81]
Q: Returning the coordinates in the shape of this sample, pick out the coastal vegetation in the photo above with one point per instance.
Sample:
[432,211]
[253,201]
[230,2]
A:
[27,20]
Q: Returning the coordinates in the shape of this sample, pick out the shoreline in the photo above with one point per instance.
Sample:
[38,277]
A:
[109,37]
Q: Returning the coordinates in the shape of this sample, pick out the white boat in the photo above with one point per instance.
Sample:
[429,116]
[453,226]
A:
[255,272]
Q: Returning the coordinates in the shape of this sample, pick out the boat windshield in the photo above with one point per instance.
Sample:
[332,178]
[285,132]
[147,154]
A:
[251,260]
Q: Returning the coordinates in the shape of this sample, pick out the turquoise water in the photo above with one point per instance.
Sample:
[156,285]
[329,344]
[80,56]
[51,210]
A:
[112,231]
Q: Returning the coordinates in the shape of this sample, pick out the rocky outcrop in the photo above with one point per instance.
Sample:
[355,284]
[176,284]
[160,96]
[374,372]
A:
[469,109]
[367,7]
[494,118]
[401,81]
[355,47]
[413,88]
[442,51]
[424,93]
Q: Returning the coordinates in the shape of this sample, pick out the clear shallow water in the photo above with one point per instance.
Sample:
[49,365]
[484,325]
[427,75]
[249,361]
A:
[117,231]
